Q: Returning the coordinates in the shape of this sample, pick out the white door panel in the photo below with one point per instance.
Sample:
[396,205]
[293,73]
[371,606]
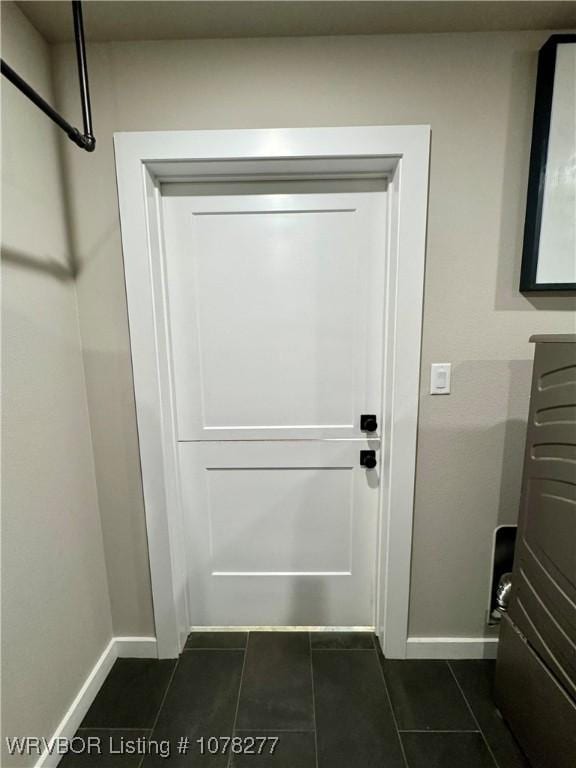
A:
[280,533]
[275,330]
[276,306]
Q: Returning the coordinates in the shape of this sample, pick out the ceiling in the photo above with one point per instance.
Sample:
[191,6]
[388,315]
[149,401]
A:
[118,20]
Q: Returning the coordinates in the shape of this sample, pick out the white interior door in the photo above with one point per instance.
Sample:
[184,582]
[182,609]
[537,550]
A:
[276,306]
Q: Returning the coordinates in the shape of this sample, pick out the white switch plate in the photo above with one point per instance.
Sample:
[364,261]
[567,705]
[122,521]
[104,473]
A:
[440,378]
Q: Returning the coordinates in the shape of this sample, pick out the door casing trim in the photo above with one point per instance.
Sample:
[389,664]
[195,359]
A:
[144,160]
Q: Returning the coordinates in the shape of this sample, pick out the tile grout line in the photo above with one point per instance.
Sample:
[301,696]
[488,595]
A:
[380,659]
[155,723]
[344,650]
[273,730]
[97,728]
[229,761]
[191,650]
[488,747]
[438,730]
[313,698]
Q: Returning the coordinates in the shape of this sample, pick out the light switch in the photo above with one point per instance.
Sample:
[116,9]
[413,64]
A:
[440,378]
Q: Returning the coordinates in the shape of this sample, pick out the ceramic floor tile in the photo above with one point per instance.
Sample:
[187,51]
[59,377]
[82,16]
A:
[201,703]
[355,725]
[342,641]
[131,695]
[425,696]
[277,683]
[476,678]
[218,640]
[446,750]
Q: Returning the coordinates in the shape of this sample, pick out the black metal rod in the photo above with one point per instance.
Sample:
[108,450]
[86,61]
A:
[84,140]
[28,91]
[83,72]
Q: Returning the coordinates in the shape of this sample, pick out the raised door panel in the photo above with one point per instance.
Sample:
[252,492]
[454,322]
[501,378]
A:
[280,533]
[276,313]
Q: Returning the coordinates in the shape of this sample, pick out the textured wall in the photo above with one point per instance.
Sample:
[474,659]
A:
[55,610]
[476,90]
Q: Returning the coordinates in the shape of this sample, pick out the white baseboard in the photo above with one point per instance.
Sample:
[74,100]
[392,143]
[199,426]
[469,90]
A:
[136,647]
[81,704]
[451,647]
[118,647]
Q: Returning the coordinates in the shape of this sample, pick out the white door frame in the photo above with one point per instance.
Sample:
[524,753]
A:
[146,159]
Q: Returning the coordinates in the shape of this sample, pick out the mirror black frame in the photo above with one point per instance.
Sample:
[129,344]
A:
[537,172]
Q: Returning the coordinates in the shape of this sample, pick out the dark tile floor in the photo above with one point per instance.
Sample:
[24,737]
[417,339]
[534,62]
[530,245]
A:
[295,700]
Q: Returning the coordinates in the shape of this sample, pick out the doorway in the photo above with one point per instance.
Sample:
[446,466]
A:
[278,273]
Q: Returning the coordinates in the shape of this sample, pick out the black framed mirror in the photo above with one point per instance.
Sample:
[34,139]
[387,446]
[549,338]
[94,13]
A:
[549,250]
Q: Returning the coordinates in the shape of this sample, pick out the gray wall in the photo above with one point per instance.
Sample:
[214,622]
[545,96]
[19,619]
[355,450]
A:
[476,90]
[56,617]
